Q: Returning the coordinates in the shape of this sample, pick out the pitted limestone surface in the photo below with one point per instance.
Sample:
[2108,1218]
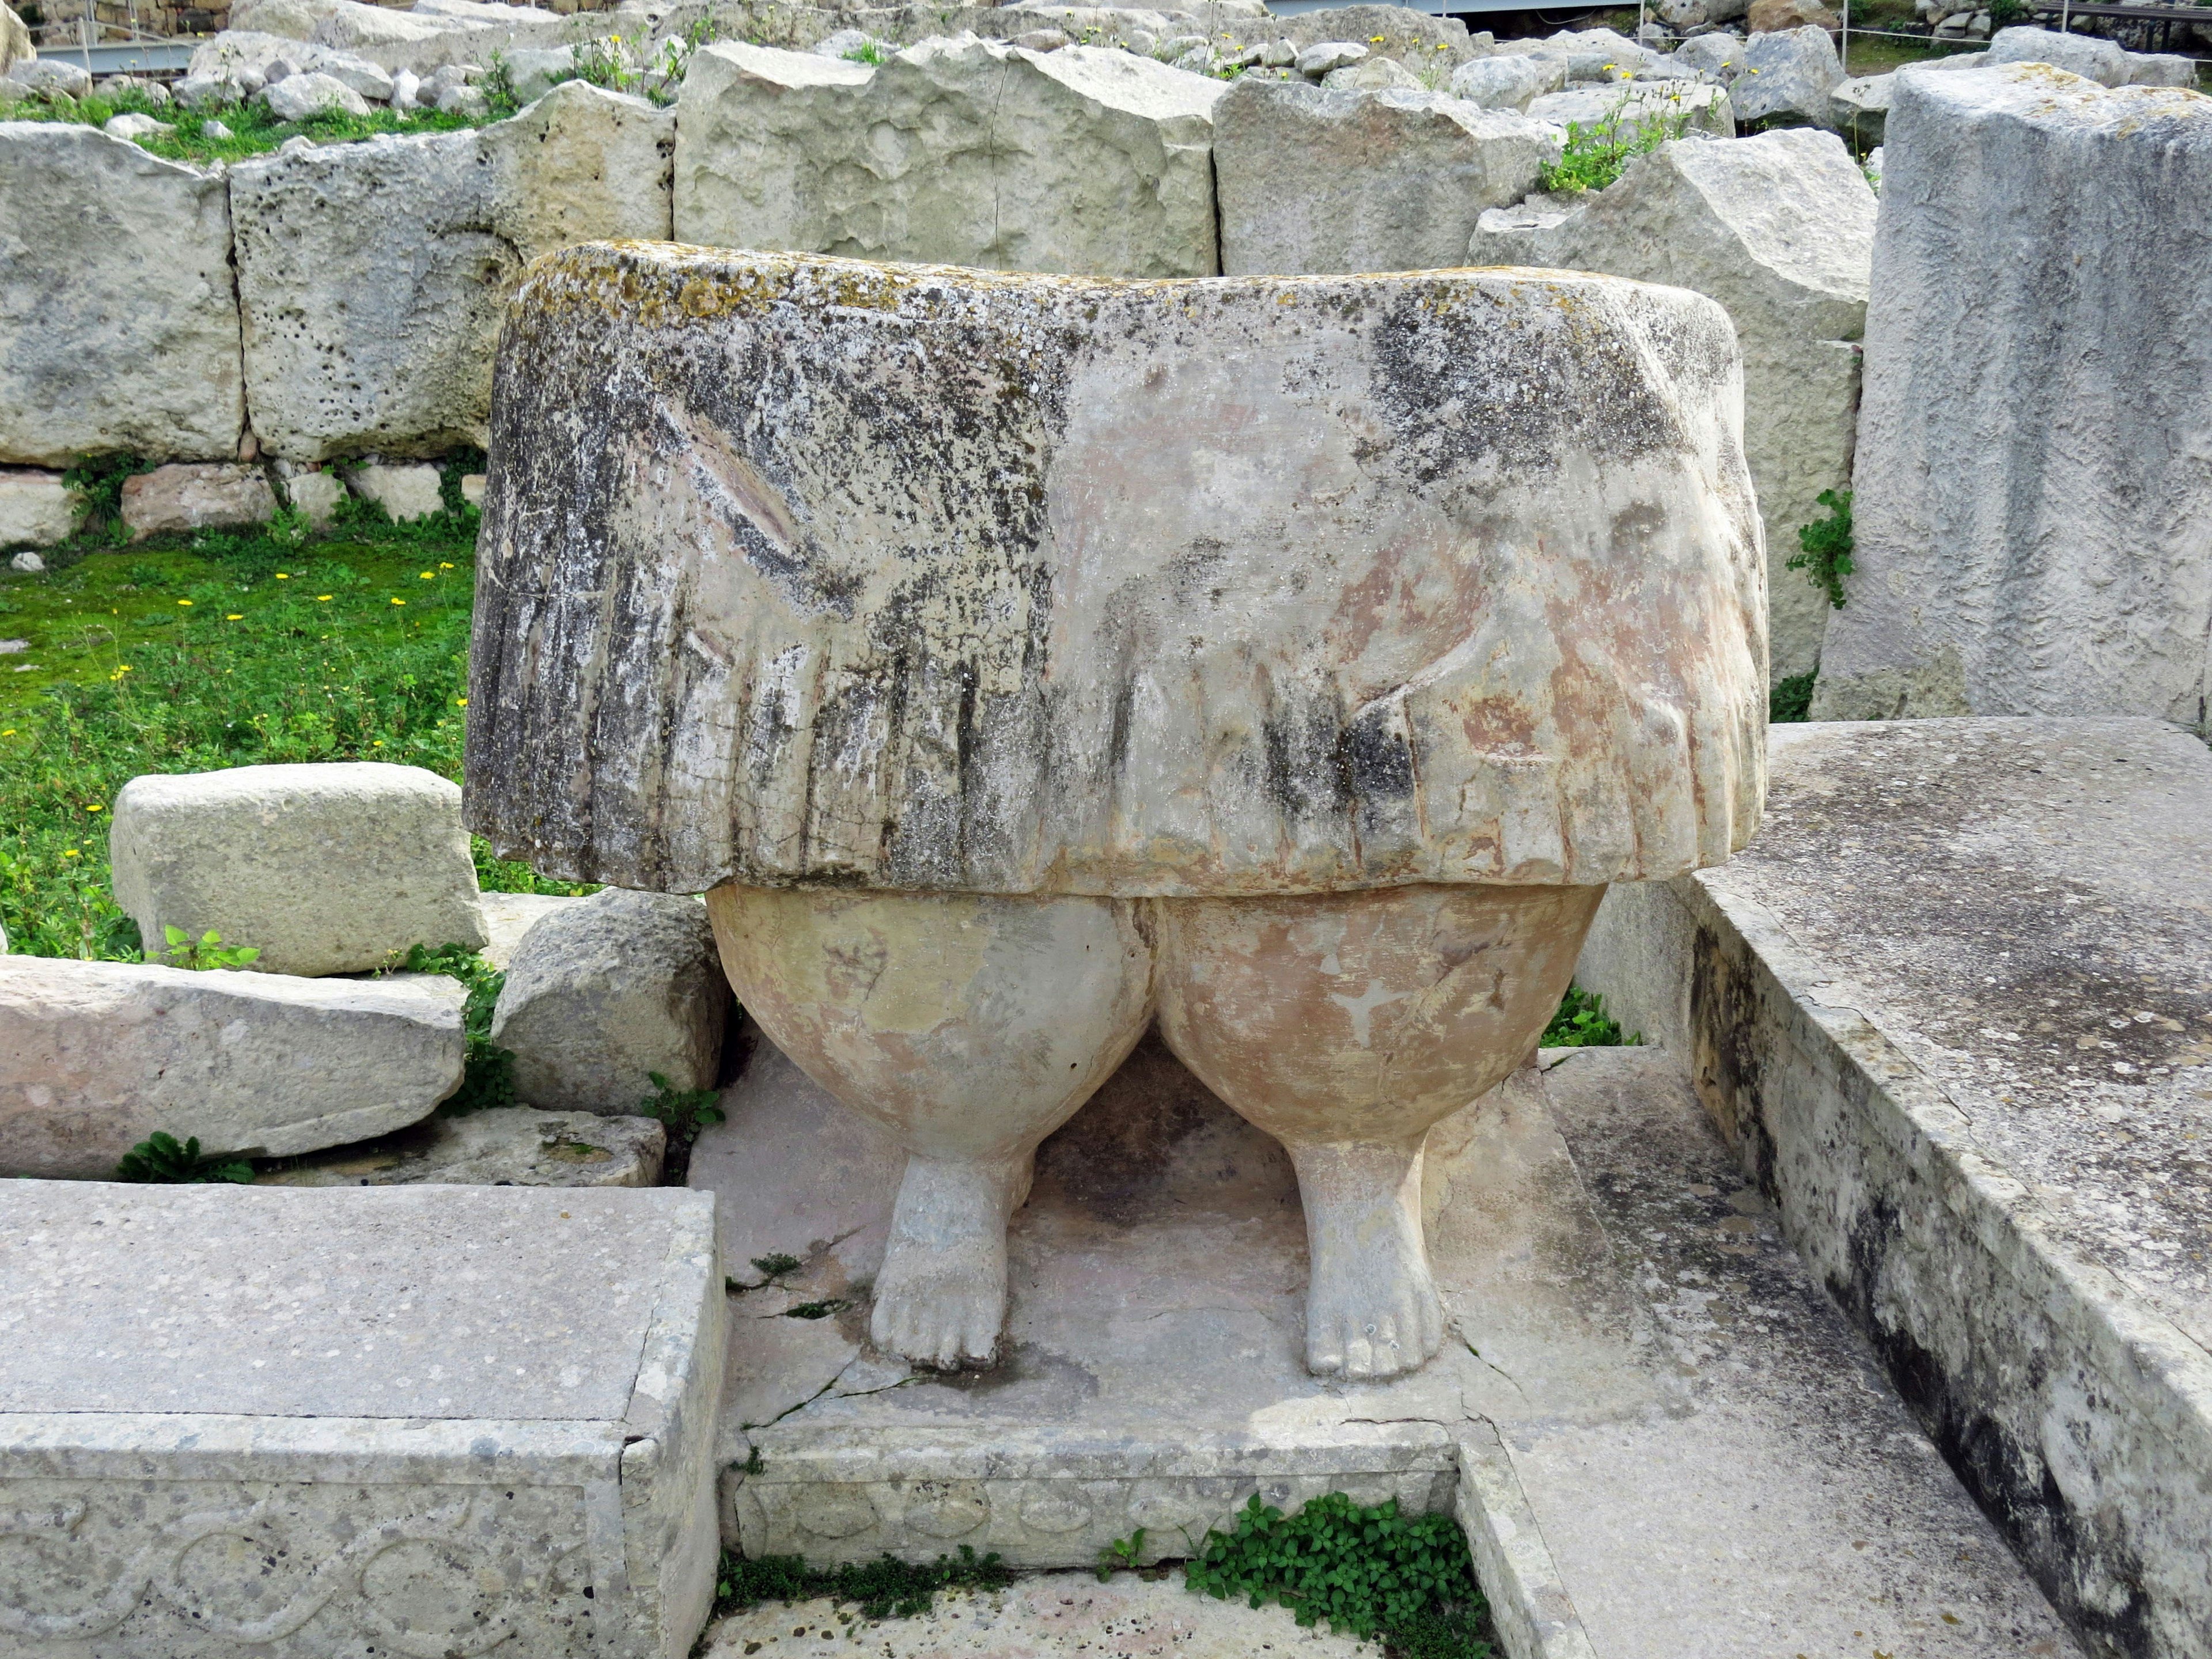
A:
[429,1303]
[2022,906]
[801,570]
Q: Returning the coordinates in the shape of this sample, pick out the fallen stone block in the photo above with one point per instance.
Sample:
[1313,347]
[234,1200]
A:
[1779,228]
[301,97]
[96,1056]
[1599,55]
[118,321]
[50,77]
[1716,56]
[503,1147]
[317,495]
[2104,62]
[325,869]
[372,274]
[1314,179]
[404,492]
[2162,68]
[1508,81]
[414,1420]
[607,990]
[1087,159]
[1630,109]
[1784,16]
[2029,538]
[1951,1008]
[37,509]
[587,761]
[508,917]
[14,41]
[1789,72]
[236,52]
[185,496]
[1861,105]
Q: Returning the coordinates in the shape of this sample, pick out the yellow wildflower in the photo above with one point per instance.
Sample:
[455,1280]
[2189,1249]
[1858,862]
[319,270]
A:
[399,601]
[183,602]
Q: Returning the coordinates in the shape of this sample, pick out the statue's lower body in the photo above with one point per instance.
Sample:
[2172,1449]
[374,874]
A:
[971,1026]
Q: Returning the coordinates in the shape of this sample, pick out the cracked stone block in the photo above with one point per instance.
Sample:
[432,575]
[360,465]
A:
[431,1420]
[372,275]
[97,1056]
[331,868]
[118,320]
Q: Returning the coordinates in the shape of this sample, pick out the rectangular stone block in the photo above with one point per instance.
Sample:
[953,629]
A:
[95,1056]
[954,580]
[963,152]
[1952,1010]
[2032,528]
[435,1421]
[118,318]
[36,510]
[331,868]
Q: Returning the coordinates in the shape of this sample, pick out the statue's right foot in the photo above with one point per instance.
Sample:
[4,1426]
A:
[1372,1308]
[941,1296]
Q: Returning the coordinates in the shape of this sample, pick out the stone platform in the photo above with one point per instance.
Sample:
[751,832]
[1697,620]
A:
[1660,1437]
[436,1422]
[1955,1006]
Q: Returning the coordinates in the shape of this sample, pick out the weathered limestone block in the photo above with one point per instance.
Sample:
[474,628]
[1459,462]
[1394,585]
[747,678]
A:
[503,1147]
[184,497]
[1628,107]
[2104,62]
[372,274]
[1316,179]
[1779,228]
[14,41]
[1508,81]
[323,869]
[237,50]
[604,992]
[36,510]
[1087,159]
[1789,72]
[95,1056]
[405,492]
[1239,589]
[315,493]
[418,1420]
[2031,525]
[118,322]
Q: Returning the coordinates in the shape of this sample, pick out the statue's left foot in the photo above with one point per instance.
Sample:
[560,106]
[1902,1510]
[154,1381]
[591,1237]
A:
[1372,1308]
[941,1296]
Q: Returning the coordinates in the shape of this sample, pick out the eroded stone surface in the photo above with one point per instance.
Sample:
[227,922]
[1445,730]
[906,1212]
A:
[1150,641]
[502,1146]
[1779,228]
[2029,540]
[428,1419]
[333,868]
[185,496]
[96,1056]
[119,322]
[967,152]
[37,509]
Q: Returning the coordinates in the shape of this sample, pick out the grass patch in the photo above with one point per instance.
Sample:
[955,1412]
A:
[1583,1022]
[1406,1580]
[255,131]
[188,654]
[884,1588]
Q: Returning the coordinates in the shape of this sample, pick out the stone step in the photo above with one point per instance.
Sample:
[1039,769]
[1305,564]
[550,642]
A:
[1954,1007]
[1662,1438]
[263,1423]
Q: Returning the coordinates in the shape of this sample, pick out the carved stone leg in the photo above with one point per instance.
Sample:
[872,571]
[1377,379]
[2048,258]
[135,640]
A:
[970,1027]
[1345,1025]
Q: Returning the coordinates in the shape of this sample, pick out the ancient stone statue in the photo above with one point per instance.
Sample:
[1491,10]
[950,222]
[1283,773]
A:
[1017,658]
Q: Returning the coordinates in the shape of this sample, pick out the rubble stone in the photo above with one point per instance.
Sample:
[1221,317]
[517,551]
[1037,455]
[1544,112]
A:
[405,492]
[1508,81]
[2104,62]
[1631,108]
[36,510]
[333,868]
[297,97]
[1789,72]
[315,493]
[184,496]
[502,1146]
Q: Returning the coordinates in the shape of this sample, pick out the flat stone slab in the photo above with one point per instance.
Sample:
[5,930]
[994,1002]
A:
[503,1147]
[423,1420]
[1663,1439]
[1053,1613]
[1955,1006]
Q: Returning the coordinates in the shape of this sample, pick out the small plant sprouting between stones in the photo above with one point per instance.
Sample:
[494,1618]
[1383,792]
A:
[1826,559]
[206,951]
[487,1073]
[1599,153]
[1789,701]
[866,52]
[161,1159]
[776,1266]
[1120,1555]
[884,1588]
[835,1304]
[1406,1580]
[682,1112]
[1583,1022]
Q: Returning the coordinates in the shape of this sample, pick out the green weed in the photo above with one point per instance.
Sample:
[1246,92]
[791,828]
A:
[488,1076]
[684,1112]
[206,951]
[866,52]
[1369,1572]
[1120,1555]
[1597,153]
[1583,1022]
[160,1160]
[817,1309]
[774,1267]
[885,1588]
[1790,700]
[1826,558]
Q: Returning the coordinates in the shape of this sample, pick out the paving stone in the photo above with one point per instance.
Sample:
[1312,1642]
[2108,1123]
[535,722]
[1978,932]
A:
[96,1056]
[331,868]
[1632,1343]
[501,1146]
[1953,1006]
[426,1420]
